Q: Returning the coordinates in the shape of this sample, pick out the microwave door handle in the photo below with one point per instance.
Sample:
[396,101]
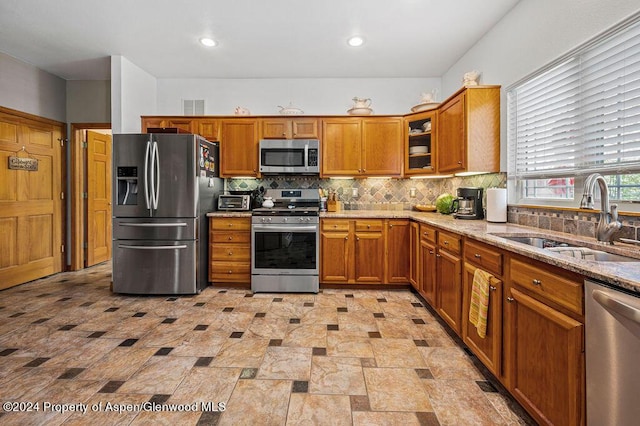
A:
[306,156]
[146,175]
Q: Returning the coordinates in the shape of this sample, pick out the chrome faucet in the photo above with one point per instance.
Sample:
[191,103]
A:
[608,223]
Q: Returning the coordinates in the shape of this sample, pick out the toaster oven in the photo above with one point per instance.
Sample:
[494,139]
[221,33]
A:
[234,202]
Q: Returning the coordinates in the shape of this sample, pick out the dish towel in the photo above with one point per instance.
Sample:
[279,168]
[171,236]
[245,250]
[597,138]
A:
[480,301]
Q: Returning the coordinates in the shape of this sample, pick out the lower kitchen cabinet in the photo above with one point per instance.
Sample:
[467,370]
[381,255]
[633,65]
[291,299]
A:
[414,252]
[544,341]
[427,264]
[364,251]
[449,279]
[397,251]
[229,250]
[488,349]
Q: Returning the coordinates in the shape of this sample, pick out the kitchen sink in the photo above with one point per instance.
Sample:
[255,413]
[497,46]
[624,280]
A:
[569,249]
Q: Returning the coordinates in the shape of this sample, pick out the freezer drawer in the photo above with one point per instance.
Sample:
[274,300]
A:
[155,229]
[155,267]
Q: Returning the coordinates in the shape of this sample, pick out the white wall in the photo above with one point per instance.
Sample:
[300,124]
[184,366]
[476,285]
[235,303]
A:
[532,34]
[26,88]
[88,101]
[315,96]
[133,93]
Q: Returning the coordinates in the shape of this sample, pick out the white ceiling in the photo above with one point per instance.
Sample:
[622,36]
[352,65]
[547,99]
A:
[257,38]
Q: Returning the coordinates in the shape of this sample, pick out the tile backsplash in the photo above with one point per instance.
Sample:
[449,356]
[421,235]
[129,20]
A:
[377,194]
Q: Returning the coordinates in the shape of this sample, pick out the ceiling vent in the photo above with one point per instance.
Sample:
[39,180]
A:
[193,106]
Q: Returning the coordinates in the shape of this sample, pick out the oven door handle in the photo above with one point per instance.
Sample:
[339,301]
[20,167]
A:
[285,228]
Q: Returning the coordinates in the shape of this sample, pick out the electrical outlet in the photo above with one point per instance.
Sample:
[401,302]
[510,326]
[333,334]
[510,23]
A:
[412,192]
[354,192]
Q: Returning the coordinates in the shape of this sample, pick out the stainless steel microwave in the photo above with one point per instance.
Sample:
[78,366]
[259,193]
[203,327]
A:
[290,156]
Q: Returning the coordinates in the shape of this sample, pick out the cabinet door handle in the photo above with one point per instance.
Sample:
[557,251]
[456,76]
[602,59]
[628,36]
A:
[459,162]
[357,238]
[536,282]
[510,299]
[430,251]
[492,288]
[390,225]
[477,256]
[346,238]
[437,255]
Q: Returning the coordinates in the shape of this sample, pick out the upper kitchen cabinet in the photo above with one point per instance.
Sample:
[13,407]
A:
[420,143]
[239,147]
[469,131]
[362,147]
[208,128]
[295,128]
[185,124]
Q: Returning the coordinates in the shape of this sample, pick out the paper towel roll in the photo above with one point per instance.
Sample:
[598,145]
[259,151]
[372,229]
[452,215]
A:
[496,205]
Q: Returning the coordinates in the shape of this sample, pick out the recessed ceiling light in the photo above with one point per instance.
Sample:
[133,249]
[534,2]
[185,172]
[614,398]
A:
[355,41]
[209,42]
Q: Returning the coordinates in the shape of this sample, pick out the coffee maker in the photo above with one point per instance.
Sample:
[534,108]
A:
[468,205]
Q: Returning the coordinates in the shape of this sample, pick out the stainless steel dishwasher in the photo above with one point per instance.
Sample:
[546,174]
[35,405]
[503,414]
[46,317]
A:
[612,353]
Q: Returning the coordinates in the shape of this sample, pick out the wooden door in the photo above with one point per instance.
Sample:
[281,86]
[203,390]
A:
[31,210]
[341,147]
[398,251]
[98,219]
[275,128]
[304,128]
[546,356]
[382,146]
[239,147]
[427,272]
[489,348]
[452,135]
[334,252]
[414,254]
[449,289]
[368,257]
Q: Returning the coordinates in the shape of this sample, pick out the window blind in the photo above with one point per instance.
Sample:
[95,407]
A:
[580,116]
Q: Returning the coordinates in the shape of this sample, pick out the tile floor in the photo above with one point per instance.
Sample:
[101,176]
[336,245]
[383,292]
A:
[227,357]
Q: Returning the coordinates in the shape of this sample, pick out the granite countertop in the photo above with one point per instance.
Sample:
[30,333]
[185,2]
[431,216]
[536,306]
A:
[625,275]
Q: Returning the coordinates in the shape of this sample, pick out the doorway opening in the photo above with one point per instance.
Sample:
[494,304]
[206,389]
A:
[90,189]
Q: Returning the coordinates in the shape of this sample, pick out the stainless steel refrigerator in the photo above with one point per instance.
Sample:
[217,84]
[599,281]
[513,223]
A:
[164,184]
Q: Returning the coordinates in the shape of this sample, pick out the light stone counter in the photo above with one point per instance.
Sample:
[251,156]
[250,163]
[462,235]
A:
[620,274]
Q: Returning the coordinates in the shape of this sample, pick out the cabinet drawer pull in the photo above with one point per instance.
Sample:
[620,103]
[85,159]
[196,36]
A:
[477,256]
[230,253]
[230,225]
[230,271]
[536,282]
[446,243]
[510,299]
[230,238]
[426,233]
[368,226]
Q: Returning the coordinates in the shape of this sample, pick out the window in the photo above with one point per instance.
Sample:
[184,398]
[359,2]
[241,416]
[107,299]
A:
[577,116]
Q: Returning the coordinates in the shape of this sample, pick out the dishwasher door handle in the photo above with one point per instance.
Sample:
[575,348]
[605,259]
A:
[616,306]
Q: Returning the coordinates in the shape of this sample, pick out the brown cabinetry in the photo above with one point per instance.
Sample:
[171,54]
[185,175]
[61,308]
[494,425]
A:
[397,251]
[414,252]
[296,128]
[361,147]
[208,128]
[230,250]
[239,147]
[369,251]
[449,279]
[469,131]
[420,143]
[544,342]
[489,348]
[428,264]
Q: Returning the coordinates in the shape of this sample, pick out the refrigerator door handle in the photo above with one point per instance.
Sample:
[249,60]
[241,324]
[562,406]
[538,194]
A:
[146,175]
[126,246]
[155,174]
[154,225]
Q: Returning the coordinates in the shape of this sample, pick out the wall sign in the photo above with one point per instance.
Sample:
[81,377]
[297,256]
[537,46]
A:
[17,163]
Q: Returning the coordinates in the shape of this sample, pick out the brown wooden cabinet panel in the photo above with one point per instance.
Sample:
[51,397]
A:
[208,128]
[428,272]
[296,128]
[341,147]
[469,131]
[484,256]
[489,348]
[420,143]
[334,252]
[546,358]
[397,250]
[449,288]
[369,257]
[230,250]
[239,147]
[414,253]
[382,146]
[147,122]
[186,124]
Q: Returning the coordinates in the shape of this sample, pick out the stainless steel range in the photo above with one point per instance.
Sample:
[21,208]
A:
[285,243]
